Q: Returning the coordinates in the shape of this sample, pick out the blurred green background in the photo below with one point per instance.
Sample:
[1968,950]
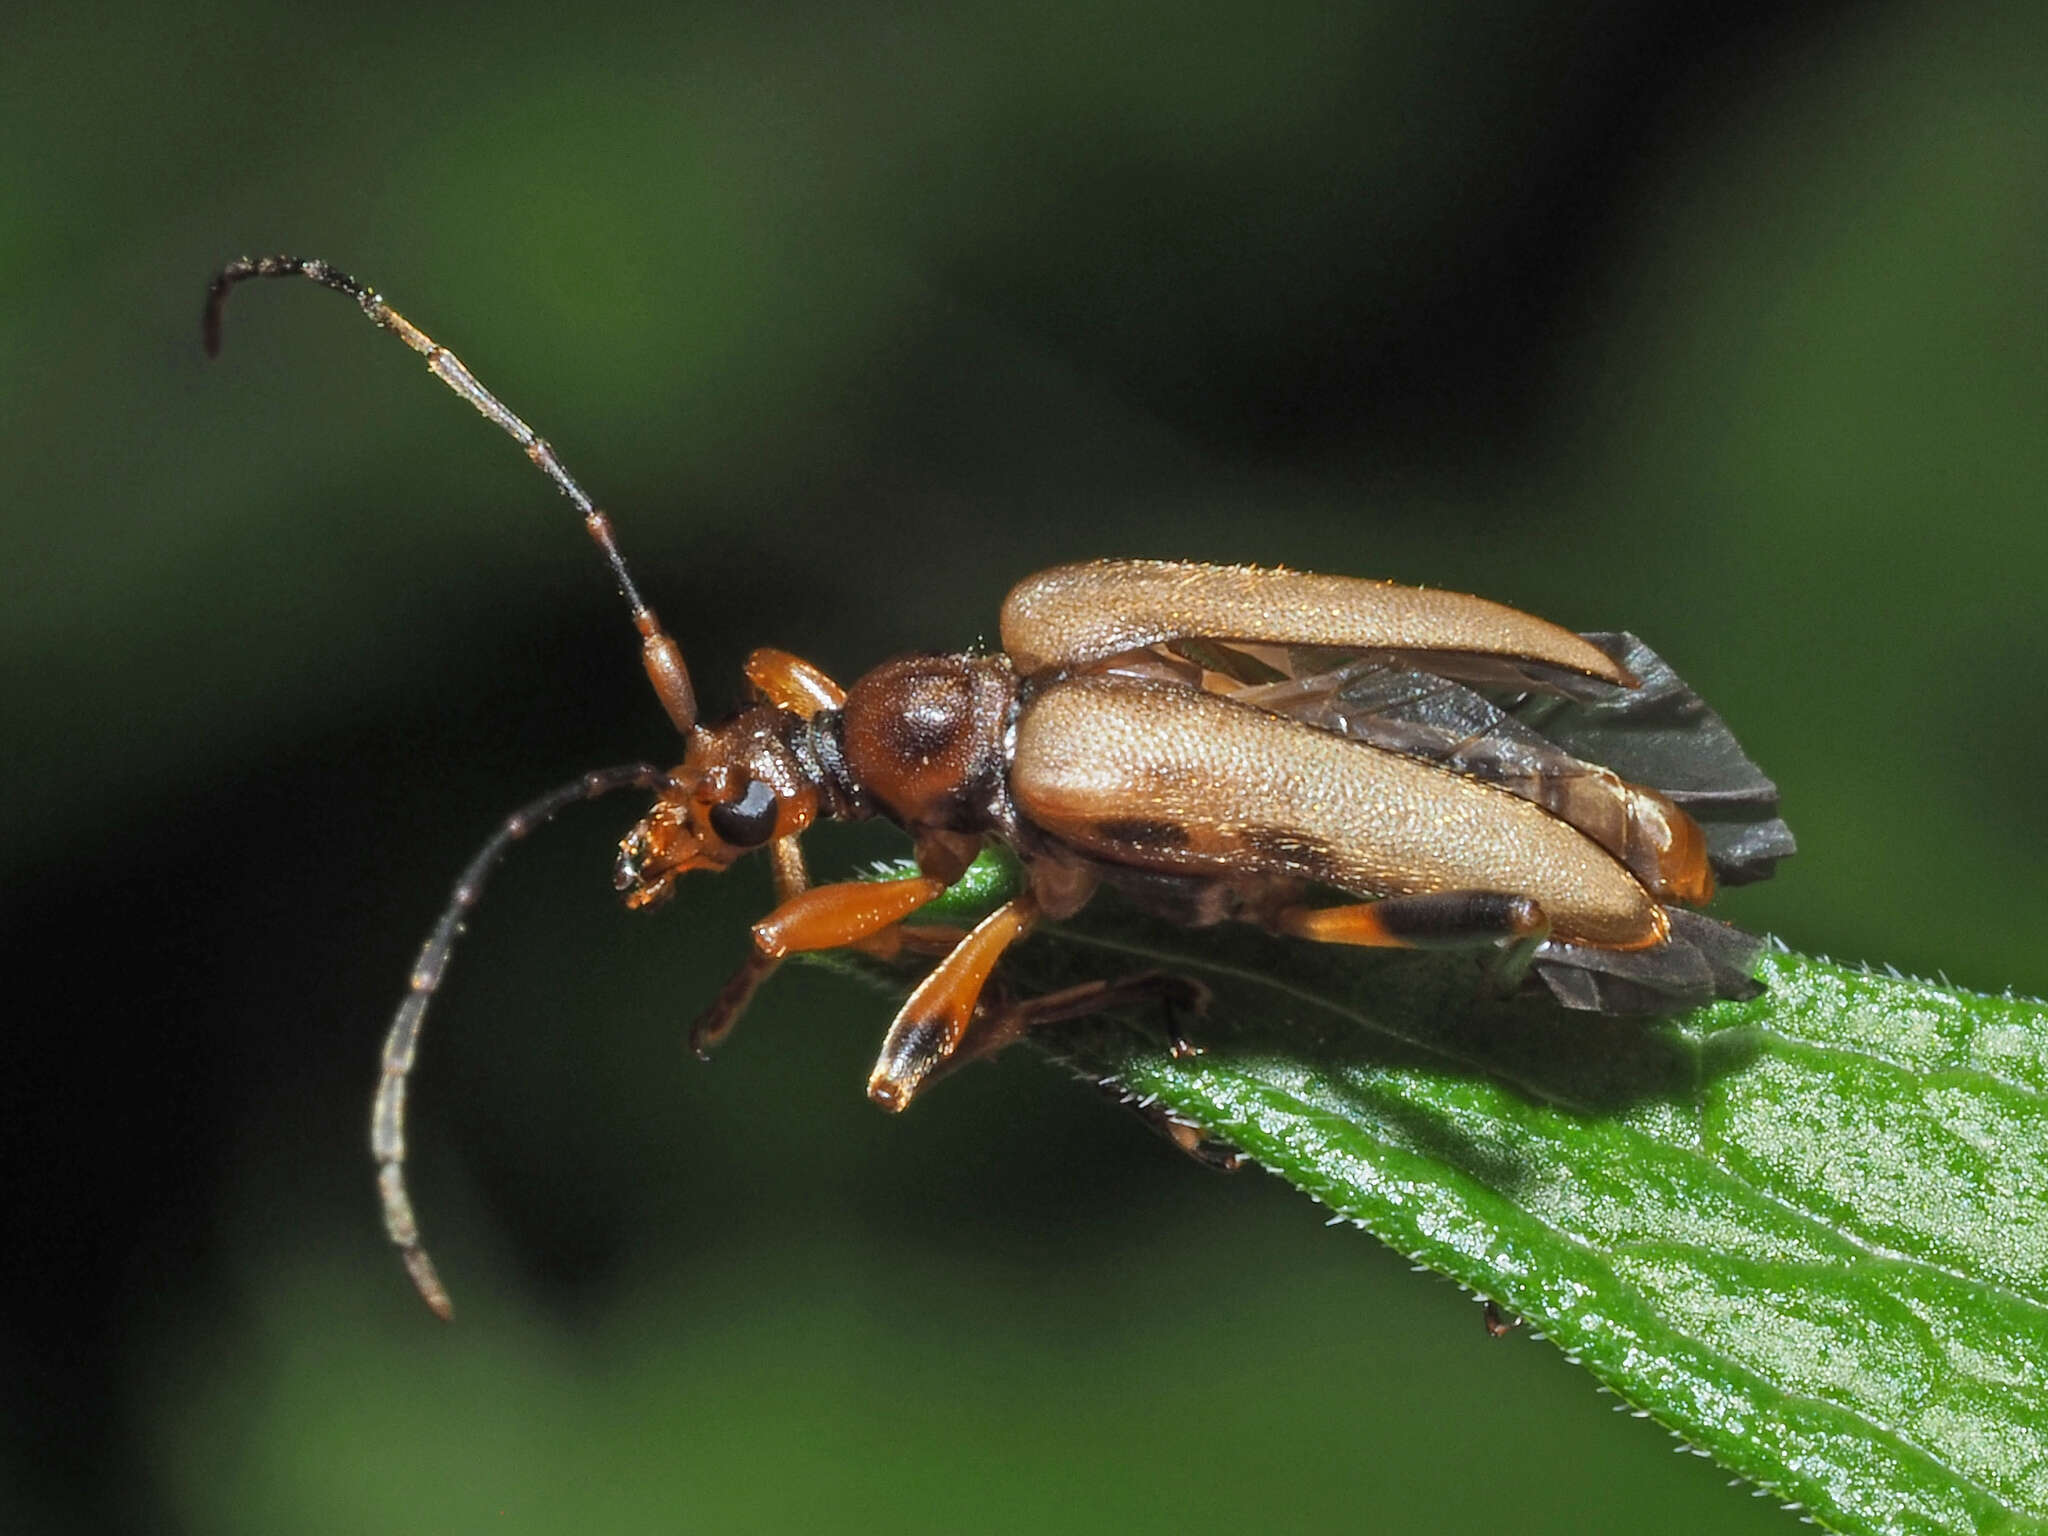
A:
[1725,324]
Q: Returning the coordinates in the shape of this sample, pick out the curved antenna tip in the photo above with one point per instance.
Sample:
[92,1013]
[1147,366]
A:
[427,1281]
[401,1043]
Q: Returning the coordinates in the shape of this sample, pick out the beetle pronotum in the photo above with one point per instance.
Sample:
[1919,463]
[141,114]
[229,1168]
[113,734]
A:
[1217,742]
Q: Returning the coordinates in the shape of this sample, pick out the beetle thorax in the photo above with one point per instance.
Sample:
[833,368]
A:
[924,738]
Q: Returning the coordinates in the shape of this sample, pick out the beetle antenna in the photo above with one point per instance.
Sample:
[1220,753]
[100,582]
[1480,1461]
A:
[660,654]
[401,1045]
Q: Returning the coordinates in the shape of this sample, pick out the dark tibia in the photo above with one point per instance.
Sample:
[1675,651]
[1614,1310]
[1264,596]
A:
[1437,920]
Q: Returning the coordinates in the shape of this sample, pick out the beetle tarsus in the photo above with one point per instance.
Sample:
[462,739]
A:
[1178,996]
[718,1021]
[1508,966]
[1203,1145]
[1211,1151]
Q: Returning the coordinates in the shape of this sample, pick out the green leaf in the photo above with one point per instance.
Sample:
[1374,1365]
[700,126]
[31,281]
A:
[1808,1233]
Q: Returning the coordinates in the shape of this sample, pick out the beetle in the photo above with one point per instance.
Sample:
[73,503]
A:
[1332,759]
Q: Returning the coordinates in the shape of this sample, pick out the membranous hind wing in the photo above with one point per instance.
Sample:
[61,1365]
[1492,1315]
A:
[1651,773]
[1614,762]
[1661,733]
[1611,761]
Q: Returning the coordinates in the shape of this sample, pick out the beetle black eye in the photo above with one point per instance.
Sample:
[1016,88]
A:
[749,820]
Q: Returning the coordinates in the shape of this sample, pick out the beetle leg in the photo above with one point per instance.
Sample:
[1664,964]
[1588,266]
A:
[1004,1023]
[793,878]
[791,683]
[818,917]
[717,1021]
[1175,995]
[912,1056]
[932,1022]
[1509,966]
[935,940]
[1209,1150]
[737,995]
[834,916]
[1432,920]
[786,864]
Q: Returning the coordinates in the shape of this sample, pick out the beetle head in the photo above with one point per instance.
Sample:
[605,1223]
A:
[739,787]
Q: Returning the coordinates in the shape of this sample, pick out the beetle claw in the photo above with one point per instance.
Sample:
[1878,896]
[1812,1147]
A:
[1178,994]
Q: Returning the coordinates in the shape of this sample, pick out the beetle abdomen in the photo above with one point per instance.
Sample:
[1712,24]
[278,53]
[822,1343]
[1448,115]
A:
[1175,779]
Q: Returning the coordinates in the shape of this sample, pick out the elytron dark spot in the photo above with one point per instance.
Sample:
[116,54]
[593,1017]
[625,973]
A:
[1294,851]
[1142,832]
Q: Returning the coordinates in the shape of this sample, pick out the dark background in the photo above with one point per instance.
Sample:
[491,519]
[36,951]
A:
[1721,323]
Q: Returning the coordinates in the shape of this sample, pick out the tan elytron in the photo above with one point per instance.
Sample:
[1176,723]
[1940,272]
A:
[1075,615]
[1171,779]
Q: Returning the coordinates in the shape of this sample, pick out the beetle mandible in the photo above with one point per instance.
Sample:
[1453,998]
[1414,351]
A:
[1332,759]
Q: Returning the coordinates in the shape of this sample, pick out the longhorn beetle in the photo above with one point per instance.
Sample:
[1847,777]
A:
[1219,743]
